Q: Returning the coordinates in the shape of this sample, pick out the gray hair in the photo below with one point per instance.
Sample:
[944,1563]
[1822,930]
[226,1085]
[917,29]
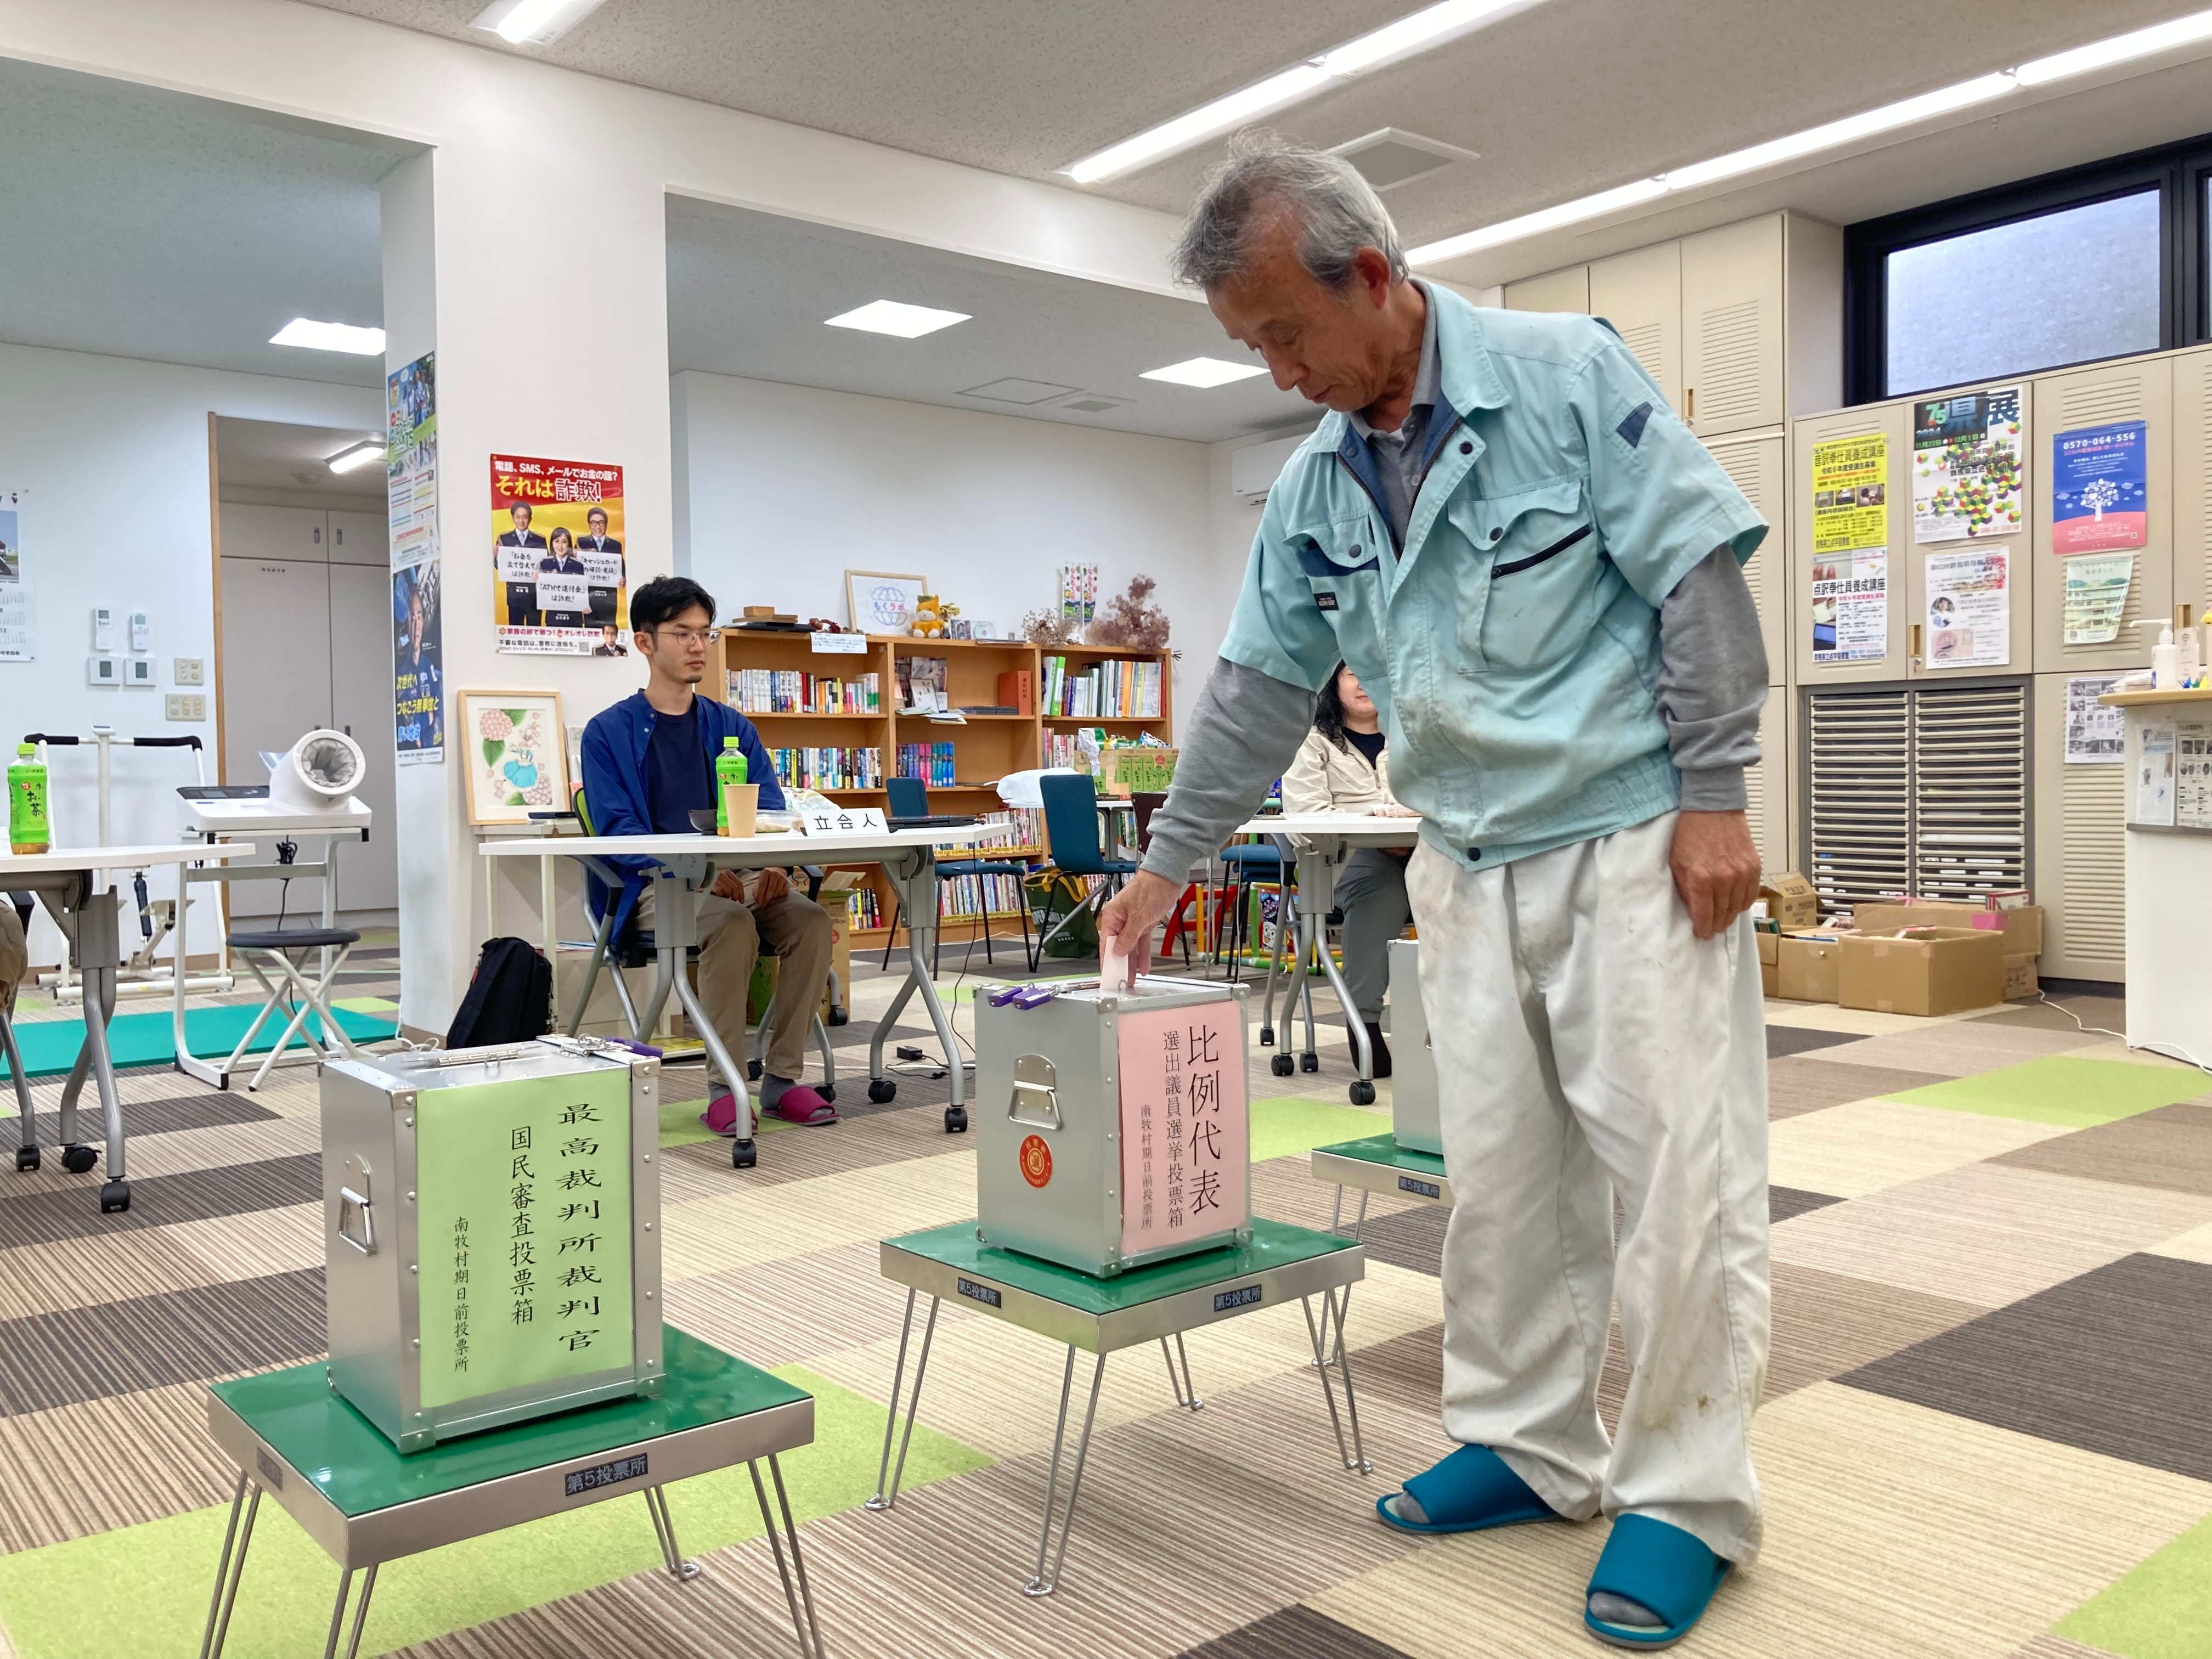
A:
[1337,209]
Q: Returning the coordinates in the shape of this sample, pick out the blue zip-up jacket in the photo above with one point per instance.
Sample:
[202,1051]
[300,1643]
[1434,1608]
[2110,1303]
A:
[615,746]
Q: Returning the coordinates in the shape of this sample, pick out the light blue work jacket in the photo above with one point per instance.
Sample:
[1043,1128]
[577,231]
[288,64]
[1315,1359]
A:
[1512,644]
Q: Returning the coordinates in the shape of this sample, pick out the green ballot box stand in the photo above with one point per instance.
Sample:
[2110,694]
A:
[366,1503]
[1097,1315]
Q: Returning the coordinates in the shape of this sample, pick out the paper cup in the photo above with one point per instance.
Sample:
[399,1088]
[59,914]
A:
[742,801]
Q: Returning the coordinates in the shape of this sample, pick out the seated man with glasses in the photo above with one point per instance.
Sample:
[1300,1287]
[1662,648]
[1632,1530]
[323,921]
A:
[648,764]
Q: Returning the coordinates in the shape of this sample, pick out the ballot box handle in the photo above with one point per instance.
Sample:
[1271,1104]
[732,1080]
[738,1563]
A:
[1035,1099]
[354,1200]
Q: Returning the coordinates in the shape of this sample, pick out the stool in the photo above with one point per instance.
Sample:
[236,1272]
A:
[276,945]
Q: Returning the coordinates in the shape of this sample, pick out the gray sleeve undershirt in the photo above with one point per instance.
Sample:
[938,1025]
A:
[1245,731]
[1247,725]
[1713,681]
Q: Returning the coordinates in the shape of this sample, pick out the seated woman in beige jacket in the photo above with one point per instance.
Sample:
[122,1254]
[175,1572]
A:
[1341,769]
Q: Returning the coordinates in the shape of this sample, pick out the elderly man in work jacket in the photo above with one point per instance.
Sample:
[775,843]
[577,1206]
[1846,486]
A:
[1536,571]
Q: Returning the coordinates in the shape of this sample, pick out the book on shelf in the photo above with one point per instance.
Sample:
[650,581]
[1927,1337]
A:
[930,761]
[1002,896]
[921,684]
[832,767]
[791,691]
[1017,689]
[1112,688]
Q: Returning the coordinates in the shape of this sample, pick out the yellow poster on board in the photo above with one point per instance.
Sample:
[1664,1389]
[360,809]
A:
[1850,494]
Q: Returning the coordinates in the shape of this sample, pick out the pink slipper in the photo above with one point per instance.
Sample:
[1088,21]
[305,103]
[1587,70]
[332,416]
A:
[801,1105]
[721,1115]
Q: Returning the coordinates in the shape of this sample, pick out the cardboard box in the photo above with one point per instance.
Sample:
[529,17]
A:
[2021,982]
[1791,901]
[1769,980]
[2021,929]
[1126,771]
[1805,967]
[1923,970]
[1768,944]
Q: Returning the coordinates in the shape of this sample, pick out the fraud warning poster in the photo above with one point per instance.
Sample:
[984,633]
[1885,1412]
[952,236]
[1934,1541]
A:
[559,586]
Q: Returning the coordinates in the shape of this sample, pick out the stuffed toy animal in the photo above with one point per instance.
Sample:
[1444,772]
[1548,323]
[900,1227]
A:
[932,617]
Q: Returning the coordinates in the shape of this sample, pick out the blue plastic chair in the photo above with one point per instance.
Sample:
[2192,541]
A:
[910,799]
[1070,824]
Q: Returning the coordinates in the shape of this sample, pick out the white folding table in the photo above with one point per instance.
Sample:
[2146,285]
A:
[1318,844]
[687,865]
[65,880]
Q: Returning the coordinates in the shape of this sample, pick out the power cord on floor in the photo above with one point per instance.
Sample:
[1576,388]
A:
[2173,1051]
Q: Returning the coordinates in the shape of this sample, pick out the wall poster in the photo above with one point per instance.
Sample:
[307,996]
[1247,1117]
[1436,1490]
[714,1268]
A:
[2095,735]
[2100,495]
[559,582]
[2192,780]
[410,473]
[2096,593]
[1850,606]
[1850,494]
[1966,465]
[15,582]
[1970,609]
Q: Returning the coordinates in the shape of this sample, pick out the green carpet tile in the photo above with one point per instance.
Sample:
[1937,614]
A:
[50,1046]
[2075,1093]
[2160,1610]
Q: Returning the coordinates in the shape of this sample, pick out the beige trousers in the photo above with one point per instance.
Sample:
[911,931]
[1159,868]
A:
[797,932]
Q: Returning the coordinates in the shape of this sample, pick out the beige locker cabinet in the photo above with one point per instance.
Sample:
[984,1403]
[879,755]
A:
[2134,389]
[1756,467]
[1640,294]
[2019,548]
[1766,786]
[1555,291]
[2080,853]
[1893,422]
[2192,484]
[361,539]
[273,532]
[1732,328]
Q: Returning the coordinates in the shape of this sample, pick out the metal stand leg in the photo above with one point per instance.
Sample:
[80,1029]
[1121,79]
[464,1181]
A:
[600,939]
[917,883]
[360,1616]
[664,1528]
[1186,1391]
[230,1568]
[98,1009]
[1042,1582]
[1308,1057]
[885,1498]
[1336,1225]
[27,1153]
[806,1629]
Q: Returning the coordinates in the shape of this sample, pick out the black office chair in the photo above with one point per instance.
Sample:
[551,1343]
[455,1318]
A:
[910,799]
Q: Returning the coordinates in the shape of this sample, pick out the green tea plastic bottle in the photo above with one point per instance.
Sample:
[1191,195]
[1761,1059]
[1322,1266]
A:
[28,830]
[729,768]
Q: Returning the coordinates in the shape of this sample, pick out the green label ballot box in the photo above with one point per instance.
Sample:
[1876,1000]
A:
[491,1234]
[1113,1129]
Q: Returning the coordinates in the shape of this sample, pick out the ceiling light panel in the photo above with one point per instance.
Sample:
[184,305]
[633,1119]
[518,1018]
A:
[1431,27]
[330,337]
[2118,49]
[533,22]
[1204,372]
[360,455]
[892,316]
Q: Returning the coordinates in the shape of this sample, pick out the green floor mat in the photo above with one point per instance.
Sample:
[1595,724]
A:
[50,1046]
[62,1601]
[2062,1090]
[1284,1124]
[2160,1609]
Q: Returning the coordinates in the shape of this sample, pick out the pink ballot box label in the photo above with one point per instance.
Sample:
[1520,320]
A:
[1185,1138]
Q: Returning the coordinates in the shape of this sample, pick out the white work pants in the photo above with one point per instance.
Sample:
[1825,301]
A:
[1586,1043]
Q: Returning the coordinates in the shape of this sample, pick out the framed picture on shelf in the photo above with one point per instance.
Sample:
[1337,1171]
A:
[518,757]
[984,630]
[961,631]
[882,601]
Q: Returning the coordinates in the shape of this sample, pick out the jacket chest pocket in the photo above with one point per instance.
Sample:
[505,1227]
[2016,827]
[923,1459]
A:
[1535,557]
[1344,575]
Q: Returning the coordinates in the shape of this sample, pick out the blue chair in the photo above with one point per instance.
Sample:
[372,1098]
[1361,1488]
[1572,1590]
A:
[910,799]
[1070,824]
[1242,866]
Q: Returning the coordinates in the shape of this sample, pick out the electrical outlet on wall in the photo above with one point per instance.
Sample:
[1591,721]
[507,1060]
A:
[180,706]
[190,671]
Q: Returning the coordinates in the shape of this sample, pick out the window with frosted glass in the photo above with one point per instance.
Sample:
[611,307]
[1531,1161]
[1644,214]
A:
[2063,288]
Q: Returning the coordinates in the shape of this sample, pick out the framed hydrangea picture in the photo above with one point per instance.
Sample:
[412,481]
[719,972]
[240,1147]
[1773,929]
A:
[517,755]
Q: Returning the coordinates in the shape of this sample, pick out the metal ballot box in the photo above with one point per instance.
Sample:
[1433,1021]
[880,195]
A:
[1113,1127]
[1414,1107]
[491,1233]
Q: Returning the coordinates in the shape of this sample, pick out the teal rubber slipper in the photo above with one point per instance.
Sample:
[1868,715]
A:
[1657,1566]
[1471,1490]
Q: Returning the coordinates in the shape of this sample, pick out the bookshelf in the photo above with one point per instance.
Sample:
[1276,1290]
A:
[982,750]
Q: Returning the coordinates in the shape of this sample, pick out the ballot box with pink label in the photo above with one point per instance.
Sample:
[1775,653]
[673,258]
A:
[1113,1125]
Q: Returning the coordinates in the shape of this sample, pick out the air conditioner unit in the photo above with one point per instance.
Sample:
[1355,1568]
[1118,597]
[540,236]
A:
[1252,472]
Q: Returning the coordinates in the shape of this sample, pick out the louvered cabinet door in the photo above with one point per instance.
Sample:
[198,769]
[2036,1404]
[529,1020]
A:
[2134,389]
[1858,779]
[2081,853]
[1893,422]
[2192,484]
[1640,294]
[1555,291]
[1756,467]
[2019,548]
[1732,328]
[1970,748]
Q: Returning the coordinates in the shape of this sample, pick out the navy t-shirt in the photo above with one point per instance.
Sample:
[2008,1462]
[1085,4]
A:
[1369,744]
[677,780]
